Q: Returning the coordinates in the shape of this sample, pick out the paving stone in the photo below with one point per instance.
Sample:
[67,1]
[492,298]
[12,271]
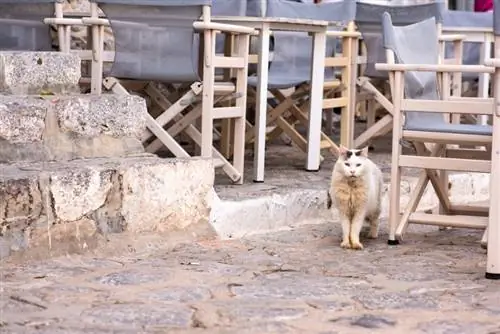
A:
[263,313]
[139,316]
[399,300]
[454,327]
[132,277]
[179,294]
[366,321]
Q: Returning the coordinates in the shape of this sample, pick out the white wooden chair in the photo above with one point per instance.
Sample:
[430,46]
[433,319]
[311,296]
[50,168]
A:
[368,20]
[420,98]
[157,41]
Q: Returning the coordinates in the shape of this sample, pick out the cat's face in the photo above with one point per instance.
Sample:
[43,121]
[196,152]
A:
[353,162]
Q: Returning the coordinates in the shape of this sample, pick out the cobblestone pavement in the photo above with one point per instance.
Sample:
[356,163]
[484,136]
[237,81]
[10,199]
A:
[295,281]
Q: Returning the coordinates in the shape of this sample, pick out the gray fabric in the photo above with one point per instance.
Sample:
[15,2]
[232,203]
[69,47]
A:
[22,27]
[291,65]
[154,44]
[369,22]
[229,7]
[335,11]
[159,3]
[408,43]
[338,11]
[496,17]
[471,50]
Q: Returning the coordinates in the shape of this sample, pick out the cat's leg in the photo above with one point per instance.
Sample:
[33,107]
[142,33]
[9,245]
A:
[374,221]
[346,230]
[356,225]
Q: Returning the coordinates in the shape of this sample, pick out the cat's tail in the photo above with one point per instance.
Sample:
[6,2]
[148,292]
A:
[329,201]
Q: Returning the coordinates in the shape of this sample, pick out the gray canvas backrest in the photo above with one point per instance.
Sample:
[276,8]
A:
[22,27]
[154,39]
[369,21]
[415,44]
[293,50]
[496,17]
[471,50]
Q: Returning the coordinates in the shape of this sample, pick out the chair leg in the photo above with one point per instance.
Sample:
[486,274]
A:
[395,190]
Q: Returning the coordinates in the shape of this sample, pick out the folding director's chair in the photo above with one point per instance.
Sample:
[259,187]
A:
[420,98]
[156,41]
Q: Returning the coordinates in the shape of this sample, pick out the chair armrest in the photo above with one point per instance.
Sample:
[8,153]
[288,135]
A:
[224,28]
[452,38]
[434,68]
[354,34]
[95,21]
[495,62]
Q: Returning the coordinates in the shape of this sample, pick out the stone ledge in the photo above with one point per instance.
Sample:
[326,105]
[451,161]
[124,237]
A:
[68,127]
[235,219]
[70,206]
[23,72]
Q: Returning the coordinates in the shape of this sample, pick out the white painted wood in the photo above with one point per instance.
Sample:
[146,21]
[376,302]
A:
[316,99]
[261,107]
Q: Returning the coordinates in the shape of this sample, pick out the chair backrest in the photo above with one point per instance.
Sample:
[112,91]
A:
[369,21]
[154,39]
[417,43]
[466,19]
[496,18]
[22,27]
[293,50]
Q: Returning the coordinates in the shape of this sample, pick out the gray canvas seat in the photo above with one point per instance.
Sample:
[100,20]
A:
[407,43]
[369,21]
[22,27]
[435,140]
[156,41]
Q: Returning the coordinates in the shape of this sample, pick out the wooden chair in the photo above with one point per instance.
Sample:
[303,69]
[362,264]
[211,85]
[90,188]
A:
[157,41]
[493,235]
[368,21]
[420,98]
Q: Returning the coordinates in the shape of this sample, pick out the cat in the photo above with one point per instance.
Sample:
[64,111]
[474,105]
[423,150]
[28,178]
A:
[356,192]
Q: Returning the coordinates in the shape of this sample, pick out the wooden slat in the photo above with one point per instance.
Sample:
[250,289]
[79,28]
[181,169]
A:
[224,87]
[449,221]
[470,210]
[446,138]
[453,106]
[462,165]
[335,103]
[228,112]
[228,62]
[336,61]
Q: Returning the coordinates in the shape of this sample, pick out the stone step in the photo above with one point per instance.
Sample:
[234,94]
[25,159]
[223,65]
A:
[23,72]
[57,208]
[49,128]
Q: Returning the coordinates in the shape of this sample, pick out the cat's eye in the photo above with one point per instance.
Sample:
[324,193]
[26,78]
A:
[347,164]
[357,165]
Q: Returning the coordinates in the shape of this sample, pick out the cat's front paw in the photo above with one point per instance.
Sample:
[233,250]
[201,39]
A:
[345,244]
[357,245]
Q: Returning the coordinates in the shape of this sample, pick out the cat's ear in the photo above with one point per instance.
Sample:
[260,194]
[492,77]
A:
[364,152]
[343,150]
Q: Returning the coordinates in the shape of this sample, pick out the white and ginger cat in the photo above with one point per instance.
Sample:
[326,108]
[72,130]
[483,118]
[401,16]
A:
[356,192]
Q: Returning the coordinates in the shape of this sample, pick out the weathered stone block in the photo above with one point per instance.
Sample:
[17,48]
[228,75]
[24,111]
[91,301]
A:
[70,127]
[65,207]
[108,114]
[23,72]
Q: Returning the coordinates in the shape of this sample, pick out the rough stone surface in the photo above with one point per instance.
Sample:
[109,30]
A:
[23,72]
[69,127]
[69,207]
[296,281]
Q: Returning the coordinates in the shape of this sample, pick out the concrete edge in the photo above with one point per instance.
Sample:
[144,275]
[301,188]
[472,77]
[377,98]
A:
[236,219]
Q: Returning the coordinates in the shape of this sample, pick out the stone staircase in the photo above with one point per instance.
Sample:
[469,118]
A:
[72,170]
